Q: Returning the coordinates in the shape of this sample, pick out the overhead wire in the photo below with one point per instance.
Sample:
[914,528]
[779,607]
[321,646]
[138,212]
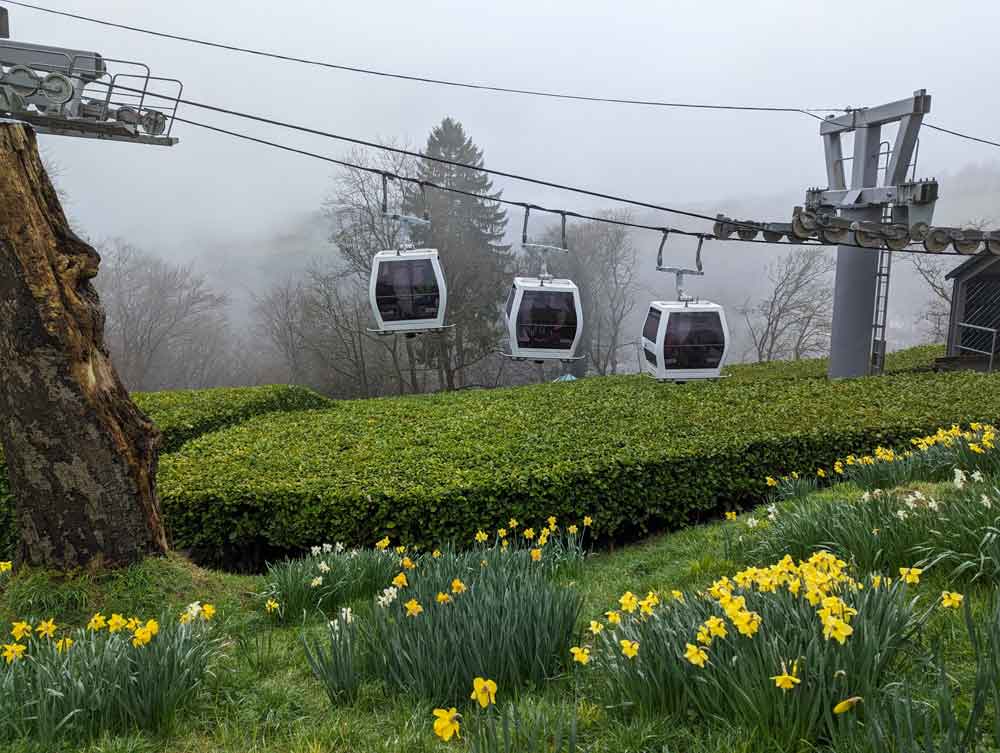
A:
[507,202]
[424,156]
[419,79]
[961,135]
[430,184]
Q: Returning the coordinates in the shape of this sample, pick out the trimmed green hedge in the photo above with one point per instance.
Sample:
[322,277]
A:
[630,451]
[182,415]
[917,358]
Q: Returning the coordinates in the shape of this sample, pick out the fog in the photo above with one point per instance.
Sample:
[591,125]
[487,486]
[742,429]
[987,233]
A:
[248,214]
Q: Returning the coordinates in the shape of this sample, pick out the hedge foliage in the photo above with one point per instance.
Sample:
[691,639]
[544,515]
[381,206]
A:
[182,415]
[918,358]
[629,451]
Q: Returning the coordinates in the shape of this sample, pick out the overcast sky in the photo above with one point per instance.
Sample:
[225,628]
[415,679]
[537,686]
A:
[778,52]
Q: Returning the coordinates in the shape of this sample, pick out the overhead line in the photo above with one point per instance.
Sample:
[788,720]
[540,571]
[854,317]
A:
[962,135]
[424,156]
[430,184]
[498,200]
[420,79]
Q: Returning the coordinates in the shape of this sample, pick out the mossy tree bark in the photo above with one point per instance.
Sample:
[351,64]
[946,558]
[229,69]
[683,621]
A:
[81,457]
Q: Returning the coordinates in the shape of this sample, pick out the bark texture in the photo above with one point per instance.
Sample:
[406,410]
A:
[81,457]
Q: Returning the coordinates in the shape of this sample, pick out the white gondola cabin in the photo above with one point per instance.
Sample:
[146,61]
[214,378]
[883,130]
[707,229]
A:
[408,292]
[544,318]
[684,340]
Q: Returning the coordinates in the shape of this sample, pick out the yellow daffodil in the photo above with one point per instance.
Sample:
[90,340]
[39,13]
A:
[716,627]
[442,597]
[821,473]
[436,553]
[847,704]
[382,544]
[407,564]
[63,644]
[457,587]
[133,623]
[271,606]
[97,622]
[552,522]
[153,627]
[502,533]
[512,523]
[207,611]
[446,723]
[413,608]
[695,654]
[400,581]
[596,627]
[543,537]
[587,521]
[771,481]
[481,536]
[678,595]
[629,648]
[536,554]
[730,515]
[629,602]
[787,681]
[46,629]
[580,655]
[141,637]
[573,529]
[484,692]
[13,651]
[505,544]
[186,617]
[838,468]
[613,617]
[951,600]
[6,566]
[836,628]
[116,623]
[528,533]
[703,636]
[19,630]
[911,574]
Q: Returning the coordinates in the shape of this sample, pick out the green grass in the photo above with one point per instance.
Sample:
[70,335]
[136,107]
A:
[268,700]
[918,358]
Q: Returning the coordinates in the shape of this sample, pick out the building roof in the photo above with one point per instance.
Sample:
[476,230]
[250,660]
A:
[970,263]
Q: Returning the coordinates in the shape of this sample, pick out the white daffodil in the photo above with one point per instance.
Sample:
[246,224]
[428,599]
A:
[902,514]
[346,615]
[985,502]
[323,567]
[866,497]
[339,547]
[752,522]
[977,476]
[959,480]
[317,581]
[316,551]
[327,548]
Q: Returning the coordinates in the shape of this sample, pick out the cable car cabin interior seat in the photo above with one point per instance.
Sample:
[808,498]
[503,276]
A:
[407,291]
[543,318]
[684,340]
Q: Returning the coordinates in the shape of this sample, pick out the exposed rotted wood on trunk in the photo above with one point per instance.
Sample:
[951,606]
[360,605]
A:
[80,455]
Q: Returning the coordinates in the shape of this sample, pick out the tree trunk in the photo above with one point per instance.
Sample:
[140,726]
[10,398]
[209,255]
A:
[81,457]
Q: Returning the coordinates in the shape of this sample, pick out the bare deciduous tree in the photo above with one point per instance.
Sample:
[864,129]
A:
[933,270]
[155,310]
[793,321]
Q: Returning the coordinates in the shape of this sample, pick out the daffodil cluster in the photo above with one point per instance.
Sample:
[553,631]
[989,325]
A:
[788,626]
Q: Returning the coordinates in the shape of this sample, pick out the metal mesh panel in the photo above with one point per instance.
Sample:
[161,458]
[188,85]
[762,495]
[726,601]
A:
[982,309]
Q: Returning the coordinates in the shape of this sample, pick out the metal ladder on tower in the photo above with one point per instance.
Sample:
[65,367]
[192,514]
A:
[880,321]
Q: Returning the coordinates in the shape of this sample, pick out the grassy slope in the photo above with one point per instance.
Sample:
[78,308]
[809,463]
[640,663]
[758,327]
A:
[277,705]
